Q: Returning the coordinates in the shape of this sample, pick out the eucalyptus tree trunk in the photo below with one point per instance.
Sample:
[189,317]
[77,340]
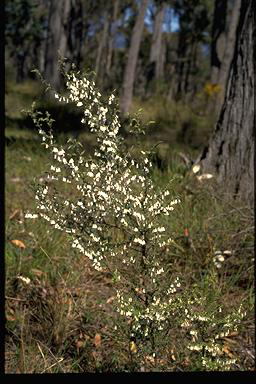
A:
[181,63]
[223,44]
[228,52]
[129,73]
[112,37]
[44,4]
[230,152]
[156,51]
[57,39]
[218,38]
[76,31]
[102,42]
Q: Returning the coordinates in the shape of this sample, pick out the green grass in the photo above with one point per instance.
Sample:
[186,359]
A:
[20,96]
[53,320]
[176,123]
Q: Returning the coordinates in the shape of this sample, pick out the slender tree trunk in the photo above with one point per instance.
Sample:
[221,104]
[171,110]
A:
[112,37]
[230,153]
[76,31]
[218,38]
[189,67]
[156,51]
[44,4]
[129,74]
[182,59]
[20,61]
[102,43]
[57,39]
[194,68]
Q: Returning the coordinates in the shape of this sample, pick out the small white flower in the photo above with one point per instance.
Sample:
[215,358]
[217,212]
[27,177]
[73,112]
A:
[24,279]
[227,252]
[205,176]
[220,258]
[140,241]
[31,216]
[196,168]
[61,152]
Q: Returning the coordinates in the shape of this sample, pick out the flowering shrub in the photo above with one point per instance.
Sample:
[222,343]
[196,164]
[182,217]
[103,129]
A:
[117,217]
[206,328]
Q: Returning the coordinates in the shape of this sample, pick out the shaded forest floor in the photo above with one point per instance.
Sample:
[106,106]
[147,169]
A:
[59,310]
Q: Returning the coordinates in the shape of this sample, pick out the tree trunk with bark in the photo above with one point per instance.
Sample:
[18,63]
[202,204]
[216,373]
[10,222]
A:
[111,40]
[129,73]
[102,43]
[56,39]
[218,38]
[228,52]
[76,31]
[182,63]
[156,51]
[230,152]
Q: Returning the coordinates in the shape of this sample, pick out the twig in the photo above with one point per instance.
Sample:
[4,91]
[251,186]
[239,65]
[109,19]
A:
[14,298]
[40,349]
[57,362]
[186,160]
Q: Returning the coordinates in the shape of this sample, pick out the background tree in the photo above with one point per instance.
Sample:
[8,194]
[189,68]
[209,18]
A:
[129,73]
[156,51]
[112,36]
[230,41]
[225,21]
[102,43]
[76,32]
[218,37]
[23,32]
[57,39]
[102,36]
[230,152]
[194,24]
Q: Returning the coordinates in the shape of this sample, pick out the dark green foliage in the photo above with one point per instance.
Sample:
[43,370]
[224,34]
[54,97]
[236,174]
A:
[24,28]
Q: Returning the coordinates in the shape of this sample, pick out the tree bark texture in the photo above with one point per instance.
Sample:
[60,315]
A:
[129,73]
[113,29]
[102,43]
[76,31]
[156,51]
[230,152]
[57,39]
[218,38]
[182,63]
[228,52]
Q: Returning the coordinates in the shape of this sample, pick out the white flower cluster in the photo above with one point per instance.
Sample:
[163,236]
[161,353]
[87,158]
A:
[218,364]
[219,257]
[115,216]
[206,333]
[114,190]
[146,309]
